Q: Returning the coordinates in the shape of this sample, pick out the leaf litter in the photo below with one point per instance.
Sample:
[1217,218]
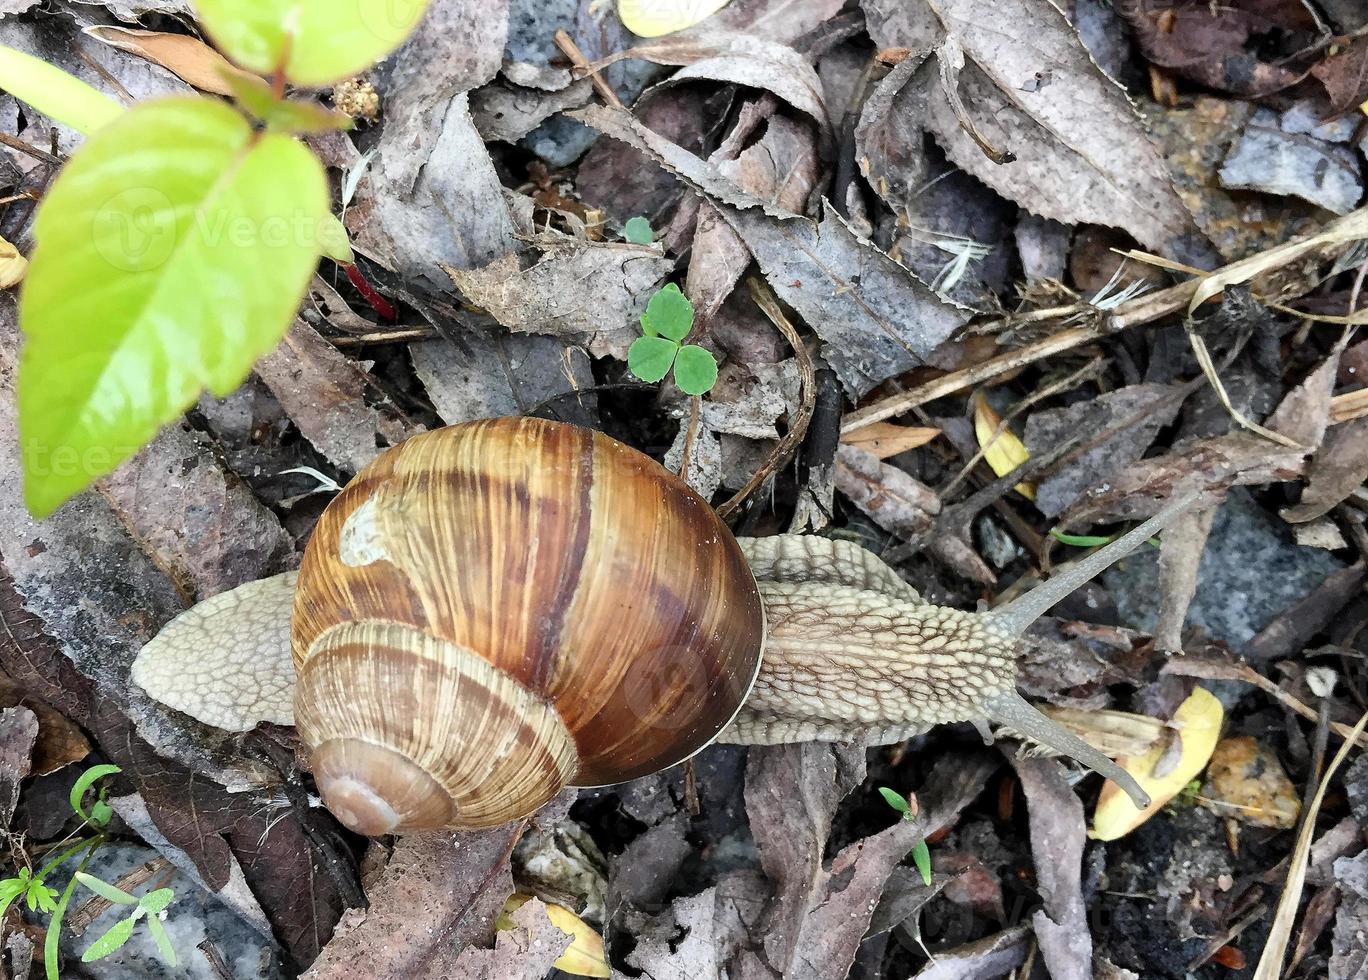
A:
[938,194]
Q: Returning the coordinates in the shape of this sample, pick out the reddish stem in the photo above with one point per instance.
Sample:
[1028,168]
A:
[378,303]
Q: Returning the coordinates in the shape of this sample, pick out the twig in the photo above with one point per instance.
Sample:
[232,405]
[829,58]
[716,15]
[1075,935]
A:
[572,51]
[690,435]
[1270,963]
[766,300]
[384,337]
[15,143]
[216,961]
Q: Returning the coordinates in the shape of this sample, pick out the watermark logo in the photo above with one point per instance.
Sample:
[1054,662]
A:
[135,230]
[390,20]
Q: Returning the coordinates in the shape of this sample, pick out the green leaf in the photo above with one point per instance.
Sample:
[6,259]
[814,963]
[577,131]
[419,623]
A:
[336,243]
[896,800]
[154,901]
[284,115]
[41,898]
[649,358]
[695,370]
[163,941]
[117,935]
[82,786]
[10,889]
[921,857]
[173,251]
[105,890]
[669,314]
[1080,540]
[638,231]
[54,93]
[314,41]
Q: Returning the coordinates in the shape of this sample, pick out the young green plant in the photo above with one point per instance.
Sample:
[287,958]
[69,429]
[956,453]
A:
[176,244]
[668,319]
[921,854]
[39,897]
[638,231]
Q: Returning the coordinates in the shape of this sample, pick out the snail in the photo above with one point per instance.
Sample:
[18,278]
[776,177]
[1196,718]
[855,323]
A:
[495,610]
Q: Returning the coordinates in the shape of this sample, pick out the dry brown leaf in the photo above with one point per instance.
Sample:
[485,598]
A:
[1198,721]
[894,500]
[189,57]
[612,282]
[1245,781]
[1025,77]
[875,317]
[1339,467]
[885,439]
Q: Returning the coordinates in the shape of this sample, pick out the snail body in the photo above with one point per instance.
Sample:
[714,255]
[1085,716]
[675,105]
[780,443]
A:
[498,609]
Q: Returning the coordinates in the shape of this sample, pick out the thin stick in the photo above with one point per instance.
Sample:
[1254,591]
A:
[572,51]
[1270,963]
[15,143]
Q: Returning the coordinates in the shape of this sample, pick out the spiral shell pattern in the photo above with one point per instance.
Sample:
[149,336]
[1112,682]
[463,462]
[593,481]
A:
[497,609]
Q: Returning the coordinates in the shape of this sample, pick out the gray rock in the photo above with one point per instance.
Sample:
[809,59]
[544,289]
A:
[532,25]
[1250,572]
[1268,159]
[1305,117]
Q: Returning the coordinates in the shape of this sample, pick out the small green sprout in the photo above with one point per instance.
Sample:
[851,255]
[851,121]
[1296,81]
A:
[638,231]
[150,906]
[1089,540]
[907,806]
[667,321]
[39,897]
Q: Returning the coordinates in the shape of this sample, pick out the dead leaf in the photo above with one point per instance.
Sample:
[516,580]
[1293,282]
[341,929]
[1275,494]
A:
[200,525]
[1246,782]
[780,169]
[1345,75]
[650,18]
[335,404]
[613,283]
[895,501]
[189,57]
[984,959]
[1133,416]
[18,730]
[509,112]
[432,196]
[1002,450]
[1349,948]
[491,374]
[740,59]
[1338,468]
[584,957]
[440,894]
[1214,44]
[1025,74]
[885,439]
[1180,558]
[1058,836]
[1198,724]
[13,266]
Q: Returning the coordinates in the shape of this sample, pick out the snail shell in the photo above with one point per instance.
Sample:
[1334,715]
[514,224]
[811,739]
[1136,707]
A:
[495,610]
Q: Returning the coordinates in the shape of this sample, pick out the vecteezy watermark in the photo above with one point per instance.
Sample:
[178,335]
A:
[665,687]
[44,461]
[390,20]
[141,229]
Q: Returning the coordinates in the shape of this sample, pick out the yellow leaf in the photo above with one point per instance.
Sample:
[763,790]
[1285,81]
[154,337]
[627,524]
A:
[884,439]
[1003,451]
[1198,720]
[585,957]
[189,57]
[654,18]
[13,266]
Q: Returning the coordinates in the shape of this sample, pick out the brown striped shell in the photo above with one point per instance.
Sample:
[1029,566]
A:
[495,610]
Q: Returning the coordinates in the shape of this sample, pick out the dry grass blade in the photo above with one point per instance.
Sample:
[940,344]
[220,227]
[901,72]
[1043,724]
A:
[1270,963]
[1351,227]
[1199,348]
